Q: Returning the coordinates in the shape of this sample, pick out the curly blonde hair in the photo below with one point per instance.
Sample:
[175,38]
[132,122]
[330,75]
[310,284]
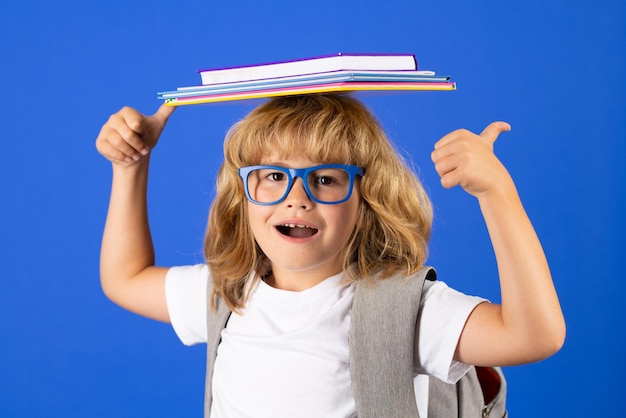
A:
[395,214]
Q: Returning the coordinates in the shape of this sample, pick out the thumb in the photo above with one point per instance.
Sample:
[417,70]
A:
[494,129]
[163,113]
[153,125]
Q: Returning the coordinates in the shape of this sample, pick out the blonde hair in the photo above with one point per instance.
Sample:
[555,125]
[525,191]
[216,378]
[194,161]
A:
[395,214]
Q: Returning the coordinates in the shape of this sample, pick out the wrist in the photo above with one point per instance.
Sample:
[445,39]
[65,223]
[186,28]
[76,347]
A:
[135,170]
[501,191]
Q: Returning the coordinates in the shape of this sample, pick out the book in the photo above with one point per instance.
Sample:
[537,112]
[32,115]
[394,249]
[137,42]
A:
[305,80]
[310,89]
[325,74]
[314,65]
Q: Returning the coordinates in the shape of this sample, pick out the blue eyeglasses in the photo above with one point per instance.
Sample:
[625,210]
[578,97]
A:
[327,184]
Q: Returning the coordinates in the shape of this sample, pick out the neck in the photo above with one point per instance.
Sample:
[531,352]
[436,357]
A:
[296,281]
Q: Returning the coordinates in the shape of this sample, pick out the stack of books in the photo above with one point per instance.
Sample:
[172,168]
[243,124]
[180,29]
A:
[330,73]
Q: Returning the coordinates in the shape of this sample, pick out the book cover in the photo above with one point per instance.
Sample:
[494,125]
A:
[313,65]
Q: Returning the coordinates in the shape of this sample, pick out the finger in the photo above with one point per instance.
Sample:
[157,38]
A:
[450,179]
[108,151]
[446,164]
[458,142]
[124,130]
[132,141]
[494,129]
[131,146]
[443,151]
[131,118]
[114,155]
[115,147]
[446,139]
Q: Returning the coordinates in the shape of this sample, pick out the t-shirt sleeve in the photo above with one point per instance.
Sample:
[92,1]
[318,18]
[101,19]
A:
[442,316]
[186,295]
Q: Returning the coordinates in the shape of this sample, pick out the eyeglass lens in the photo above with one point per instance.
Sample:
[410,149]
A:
[267,185]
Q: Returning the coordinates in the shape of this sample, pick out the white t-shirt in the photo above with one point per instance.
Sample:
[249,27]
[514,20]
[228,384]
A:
[287,354]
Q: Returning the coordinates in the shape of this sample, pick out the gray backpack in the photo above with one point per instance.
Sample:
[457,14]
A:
[381,363]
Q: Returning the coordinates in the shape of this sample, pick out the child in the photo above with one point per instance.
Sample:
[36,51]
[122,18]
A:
[311,198]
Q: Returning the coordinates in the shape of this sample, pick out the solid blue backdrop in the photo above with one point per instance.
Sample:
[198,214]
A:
[554,70]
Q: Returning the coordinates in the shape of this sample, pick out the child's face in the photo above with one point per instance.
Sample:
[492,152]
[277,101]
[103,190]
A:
[304,241]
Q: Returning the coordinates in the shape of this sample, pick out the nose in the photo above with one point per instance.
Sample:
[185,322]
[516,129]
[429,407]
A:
[297,196]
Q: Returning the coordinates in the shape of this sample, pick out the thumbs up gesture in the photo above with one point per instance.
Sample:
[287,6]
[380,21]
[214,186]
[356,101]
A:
[128,135]
[465,159]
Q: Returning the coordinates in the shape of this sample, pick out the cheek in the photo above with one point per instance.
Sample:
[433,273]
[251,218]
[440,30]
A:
[251,215]
[347,220]
[257,219]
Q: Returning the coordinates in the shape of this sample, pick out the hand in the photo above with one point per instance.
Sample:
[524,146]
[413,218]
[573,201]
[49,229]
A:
[466,159]
[128,135]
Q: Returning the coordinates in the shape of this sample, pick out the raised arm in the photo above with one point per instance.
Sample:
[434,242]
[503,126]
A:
[127,272]
[528,325]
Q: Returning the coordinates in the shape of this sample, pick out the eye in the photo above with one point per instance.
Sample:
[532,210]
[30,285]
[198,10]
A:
[276,176]
[270,175]
[326,180]
[330,177]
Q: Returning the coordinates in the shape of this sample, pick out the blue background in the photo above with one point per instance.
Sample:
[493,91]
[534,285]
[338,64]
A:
[554,70]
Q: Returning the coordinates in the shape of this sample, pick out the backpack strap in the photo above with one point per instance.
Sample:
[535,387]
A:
[381,367]
[216,322]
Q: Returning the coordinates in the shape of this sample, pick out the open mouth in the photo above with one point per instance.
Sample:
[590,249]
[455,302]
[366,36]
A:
[296,231]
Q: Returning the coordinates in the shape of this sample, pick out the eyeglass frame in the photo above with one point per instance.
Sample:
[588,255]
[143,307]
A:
[302,173]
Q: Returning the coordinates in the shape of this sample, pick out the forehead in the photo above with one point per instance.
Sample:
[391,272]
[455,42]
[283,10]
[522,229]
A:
[304,150]
[291,161]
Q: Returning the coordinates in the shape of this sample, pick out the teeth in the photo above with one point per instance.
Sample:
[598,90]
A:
[296,226]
